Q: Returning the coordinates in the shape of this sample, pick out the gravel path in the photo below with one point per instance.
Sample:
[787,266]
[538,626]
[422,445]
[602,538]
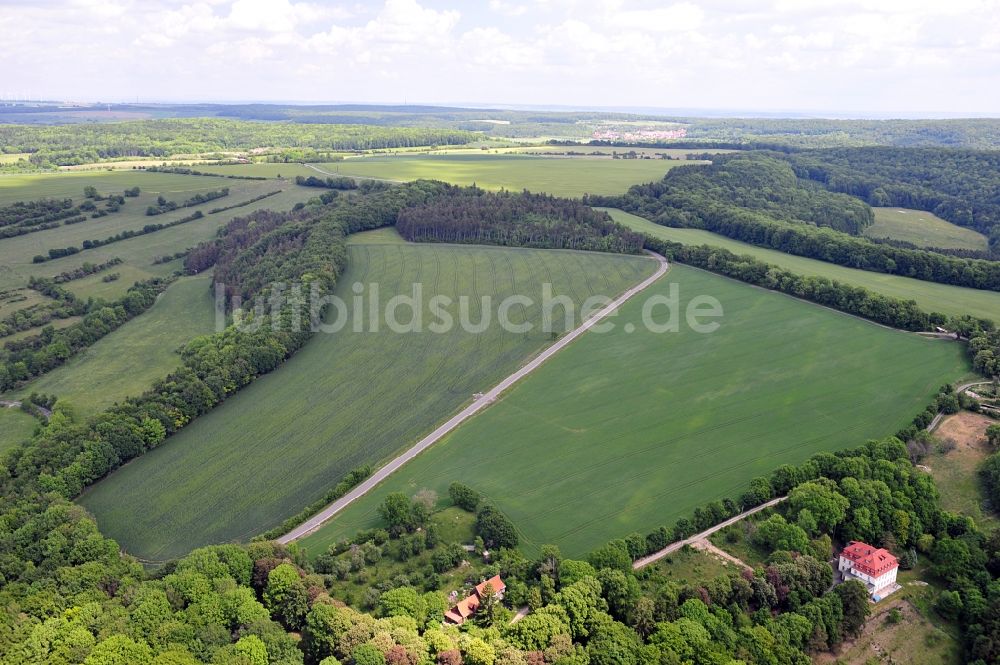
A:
[480,403]
[673,547]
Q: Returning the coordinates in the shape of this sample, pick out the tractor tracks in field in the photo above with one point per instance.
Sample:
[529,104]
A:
[480,403]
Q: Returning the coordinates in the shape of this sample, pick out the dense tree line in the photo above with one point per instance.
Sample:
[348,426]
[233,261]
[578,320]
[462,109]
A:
[961,186]
[683,201]
[65,145]
[163,205]
[242,204]
[181,170]
[243,255]
[894,312]
[60,252]
[63,305]
[977,133]
[758,182]
[23,217]
[470,215]
[85,269]
[340,182]
[27,358]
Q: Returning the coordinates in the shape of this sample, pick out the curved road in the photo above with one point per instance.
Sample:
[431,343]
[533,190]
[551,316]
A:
[479,404]
[959,389]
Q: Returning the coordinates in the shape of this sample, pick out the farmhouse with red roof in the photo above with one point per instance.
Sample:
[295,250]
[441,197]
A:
[466,607]
[874,567]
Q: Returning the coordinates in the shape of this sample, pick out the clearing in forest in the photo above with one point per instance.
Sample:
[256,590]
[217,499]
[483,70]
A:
[923,229]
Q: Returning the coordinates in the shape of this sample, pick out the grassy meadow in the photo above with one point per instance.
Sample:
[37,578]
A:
[16,427]
[128,360]
[624,431]
[923,229]
[931,296]
[345,399]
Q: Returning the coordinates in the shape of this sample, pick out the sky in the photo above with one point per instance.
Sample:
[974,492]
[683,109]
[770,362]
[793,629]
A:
[890,56]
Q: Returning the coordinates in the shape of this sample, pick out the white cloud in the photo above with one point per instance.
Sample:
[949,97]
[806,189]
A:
[793,54]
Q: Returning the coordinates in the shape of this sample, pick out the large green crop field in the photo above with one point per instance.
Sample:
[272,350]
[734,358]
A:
[624,432]
[345,399]
[561,176]
[923,229]
[128,360]
[574,176]
[16,427]
[931,296]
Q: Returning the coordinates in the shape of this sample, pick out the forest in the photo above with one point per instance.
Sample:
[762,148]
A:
[731,200]
[66,145]
[471,215]
[961,186]
[820,133]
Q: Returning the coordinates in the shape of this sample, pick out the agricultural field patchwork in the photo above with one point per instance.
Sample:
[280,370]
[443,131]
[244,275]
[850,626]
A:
[931,296]
[129,359]
[923,229]
[345,399]
[16,254]
[624,432]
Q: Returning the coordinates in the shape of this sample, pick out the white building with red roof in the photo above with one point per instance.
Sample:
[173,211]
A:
[872,566]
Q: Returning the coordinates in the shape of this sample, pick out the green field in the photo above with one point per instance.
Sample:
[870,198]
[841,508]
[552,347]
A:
[624,432]
[931,296]
[137,253]
[923,229]
[561,176]
[345,399]
[128,360]
[16,427]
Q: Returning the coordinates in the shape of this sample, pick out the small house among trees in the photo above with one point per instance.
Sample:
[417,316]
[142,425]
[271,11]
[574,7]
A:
[874,567]
[491,590]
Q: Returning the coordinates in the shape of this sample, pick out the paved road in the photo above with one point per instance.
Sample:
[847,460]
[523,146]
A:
[673,547]
[480,403]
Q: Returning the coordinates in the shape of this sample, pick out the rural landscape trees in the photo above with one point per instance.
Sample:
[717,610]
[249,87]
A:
[378,594]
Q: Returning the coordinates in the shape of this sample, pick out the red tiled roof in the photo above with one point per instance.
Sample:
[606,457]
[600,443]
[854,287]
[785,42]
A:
[869,560]
[495,582]
[468,606]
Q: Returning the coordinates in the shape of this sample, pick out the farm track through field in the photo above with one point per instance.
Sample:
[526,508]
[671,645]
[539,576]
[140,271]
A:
[485,400]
